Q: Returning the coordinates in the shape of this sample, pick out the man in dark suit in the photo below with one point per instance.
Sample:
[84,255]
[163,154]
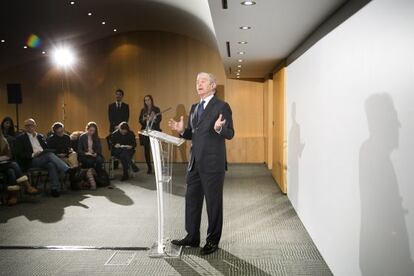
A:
[32,152]
[210,123]
[118,111]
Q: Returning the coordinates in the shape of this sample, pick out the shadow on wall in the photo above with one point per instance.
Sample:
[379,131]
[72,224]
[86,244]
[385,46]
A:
[295,149]
[384,243]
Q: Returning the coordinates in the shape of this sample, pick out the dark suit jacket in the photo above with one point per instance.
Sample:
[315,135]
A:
[83,145]
[59,144]
[24,149]
[208,149]
[117,116]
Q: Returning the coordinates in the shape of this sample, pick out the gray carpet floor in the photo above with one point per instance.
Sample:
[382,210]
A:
[262,235]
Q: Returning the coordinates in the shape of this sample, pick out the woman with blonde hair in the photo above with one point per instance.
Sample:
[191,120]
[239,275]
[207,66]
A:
[15,176]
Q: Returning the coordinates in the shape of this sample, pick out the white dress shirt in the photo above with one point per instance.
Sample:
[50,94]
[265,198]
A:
[35,143]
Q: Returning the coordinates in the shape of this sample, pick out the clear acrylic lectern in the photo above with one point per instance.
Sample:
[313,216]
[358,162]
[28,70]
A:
[162,153]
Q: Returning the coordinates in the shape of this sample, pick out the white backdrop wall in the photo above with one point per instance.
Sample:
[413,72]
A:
[350,102]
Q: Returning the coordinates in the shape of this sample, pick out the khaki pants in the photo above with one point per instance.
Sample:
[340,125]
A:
[71,160]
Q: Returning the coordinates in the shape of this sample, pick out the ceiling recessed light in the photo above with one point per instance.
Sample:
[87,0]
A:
[240,60]
[239,71]
[89,13]
[242,42]
[103,22]
[115,30]
[239,66]
[238,77]
[43,52]
[72,2]
[2,41]
[248,3]
[241,53]
[25,47]
[245,27]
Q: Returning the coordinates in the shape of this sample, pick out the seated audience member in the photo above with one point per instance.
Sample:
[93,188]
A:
[7,128]
[32,152]
[60,142]
[15,176]
[90,150]
[123,147]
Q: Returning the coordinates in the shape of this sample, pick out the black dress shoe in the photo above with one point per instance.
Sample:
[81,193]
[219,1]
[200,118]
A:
[208,248]
[186,242]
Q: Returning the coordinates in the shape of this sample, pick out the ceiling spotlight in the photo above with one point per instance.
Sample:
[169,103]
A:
[25,47]
[239,71]
[103,22]
[72,2]
[43,52]
[63,57]
[89,13]
[248,3]
[115,30]
[242,42]
[240,60]
[238,77]
[2,41]
[241,53]
[245,27]
[239,66]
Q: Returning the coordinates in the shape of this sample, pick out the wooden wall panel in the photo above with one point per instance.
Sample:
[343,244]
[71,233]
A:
[279,132]
[158,63]
[268,122]
[246,101]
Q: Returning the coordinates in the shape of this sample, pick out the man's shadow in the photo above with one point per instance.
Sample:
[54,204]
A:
[192,263]
[295,149]
[384,243]
[181,151]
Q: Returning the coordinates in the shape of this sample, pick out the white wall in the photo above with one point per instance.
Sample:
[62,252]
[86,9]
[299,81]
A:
[351,146]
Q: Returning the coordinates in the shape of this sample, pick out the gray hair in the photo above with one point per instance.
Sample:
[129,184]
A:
[212,78]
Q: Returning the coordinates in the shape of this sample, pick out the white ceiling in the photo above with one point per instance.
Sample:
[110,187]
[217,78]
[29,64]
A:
[278,27]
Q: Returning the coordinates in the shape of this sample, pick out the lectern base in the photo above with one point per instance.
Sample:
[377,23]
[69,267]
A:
[167,250]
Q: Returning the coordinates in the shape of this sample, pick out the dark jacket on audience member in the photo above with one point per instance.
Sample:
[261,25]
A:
[127,139]
[117,115]
[83,145]
[59,144]
[24,149]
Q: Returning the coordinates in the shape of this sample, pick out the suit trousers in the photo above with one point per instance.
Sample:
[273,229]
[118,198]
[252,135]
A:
[200,185]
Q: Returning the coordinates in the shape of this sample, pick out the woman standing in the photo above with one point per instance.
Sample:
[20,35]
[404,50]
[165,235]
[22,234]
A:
[150,115]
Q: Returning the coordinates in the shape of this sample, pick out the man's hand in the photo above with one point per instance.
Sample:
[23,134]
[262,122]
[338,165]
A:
[117,146]
[177,126]
[36,153]
[219,123]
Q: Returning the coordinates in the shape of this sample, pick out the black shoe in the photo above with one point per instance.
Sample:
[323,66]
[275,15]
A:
[186,242]
[208,248]
[125,177]
[55,193]
[134,167]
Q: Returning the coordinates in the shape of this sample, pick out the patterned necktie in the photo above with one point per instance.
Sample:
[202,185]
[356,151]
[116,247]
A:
[200,110]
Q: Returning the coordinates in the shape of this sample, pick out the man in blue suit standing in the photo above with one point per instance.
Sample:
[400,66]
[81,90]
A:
[210,123]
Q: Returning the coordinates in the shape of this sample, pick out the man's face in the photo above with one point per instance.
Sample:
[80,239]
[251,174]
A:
[118,96]
[204,85]
[30,127]
[60,131]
